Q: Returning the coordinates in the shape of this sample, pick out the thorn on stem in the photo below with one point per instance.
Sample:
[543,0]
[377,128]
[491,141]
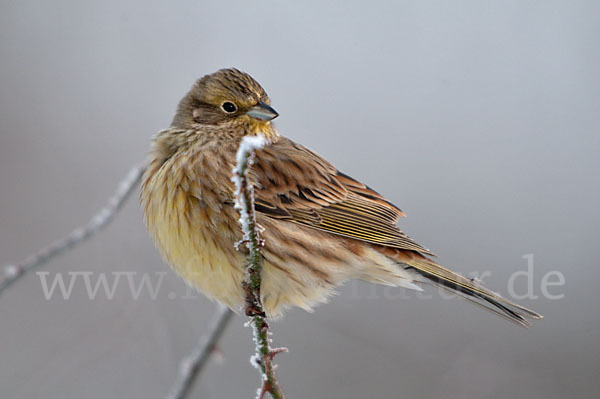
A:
[277,351]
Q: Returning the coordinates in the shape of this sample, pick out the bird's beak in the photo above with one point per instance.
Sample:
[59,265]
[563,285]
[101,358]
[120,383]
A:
[263,112]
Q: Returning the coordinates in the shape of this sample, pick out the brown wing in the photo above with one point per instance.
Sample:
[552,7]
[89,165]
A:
[295,184]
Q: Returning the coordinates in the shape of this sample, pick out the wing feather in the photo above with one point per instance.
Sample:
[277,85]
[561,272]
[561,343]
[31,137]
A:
[296,184]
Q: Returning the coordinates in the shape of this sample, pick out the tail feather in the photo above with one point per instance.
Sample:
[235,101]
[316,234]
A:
[471,291]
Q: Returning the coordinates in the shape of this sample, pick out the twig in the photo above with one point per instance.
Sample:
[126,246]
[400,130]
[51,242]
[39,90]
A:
[192,365]
[12,273]
[263,358]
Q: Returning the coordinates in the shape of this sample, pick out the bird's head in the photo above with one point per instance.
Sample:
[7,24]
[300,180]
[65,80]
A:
[228,98]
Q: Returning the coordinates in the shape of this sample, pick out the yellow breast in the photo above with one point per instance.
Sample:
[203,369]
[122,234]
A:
[193,231]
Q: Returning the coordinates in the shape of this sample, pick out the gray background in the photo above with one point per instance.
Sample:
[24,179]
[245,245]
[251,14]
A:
[480,119]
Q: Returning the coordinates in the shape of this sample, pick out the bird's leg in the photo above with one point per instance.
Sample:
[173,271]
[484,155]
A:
[252,308]
[251,311]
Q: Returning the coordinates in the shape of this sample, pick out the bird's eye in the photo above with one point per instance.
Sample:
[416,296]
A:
[228,107]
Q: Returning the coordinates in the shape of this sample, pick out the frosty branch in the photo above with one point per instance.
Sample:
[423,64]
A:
[263,357]
[12,273]
[192,365]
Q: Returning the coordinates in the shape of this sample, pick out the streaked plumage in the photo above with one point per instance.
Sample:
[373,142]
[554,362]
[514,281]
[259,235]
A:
[321,226]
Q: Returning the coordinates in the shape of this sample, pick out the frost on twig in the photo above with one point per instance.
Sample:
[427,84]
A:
[12,273]
[263,358]
[192,365]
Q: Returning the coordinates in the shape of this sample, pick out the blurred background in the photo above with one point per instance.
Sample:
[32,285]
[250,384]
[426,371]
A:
[479,119]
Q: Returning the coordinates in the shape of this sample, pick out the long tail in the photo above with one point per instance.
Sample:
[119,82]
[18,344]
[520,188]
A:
[466,288]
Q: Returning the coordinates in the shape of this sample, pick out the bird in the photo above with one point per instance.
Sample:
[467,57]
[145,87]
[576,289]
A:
[319,226]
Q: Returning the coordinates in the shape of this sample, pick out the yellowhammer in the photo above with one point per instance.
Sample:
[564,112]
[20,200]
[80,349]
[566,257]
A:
[321,226]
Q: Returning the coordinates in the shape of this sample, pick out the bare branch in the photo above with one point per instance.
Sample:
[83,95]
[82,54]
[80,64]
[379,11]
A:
[12,273]
[263,358]
[192,365]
